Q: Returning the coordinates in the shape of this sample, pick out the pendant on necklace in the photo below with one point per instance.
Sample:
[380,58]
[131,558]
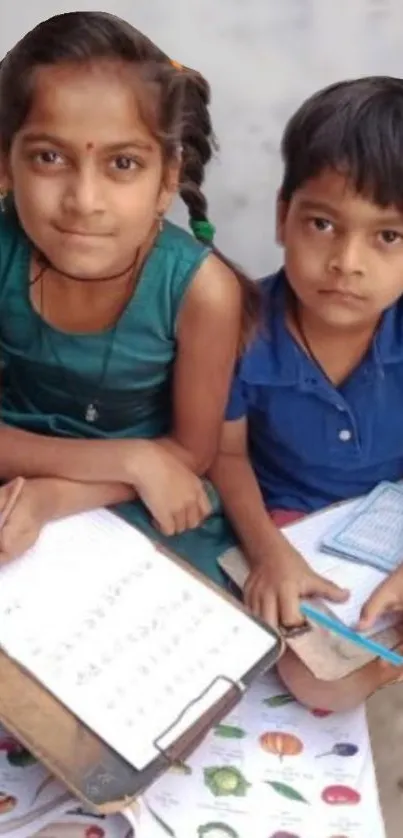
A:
[91,413]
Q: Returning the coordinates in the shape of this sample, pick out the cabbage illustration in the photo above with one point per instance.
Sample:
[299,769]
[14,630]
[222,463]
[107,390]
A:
[216,830]
[225,781]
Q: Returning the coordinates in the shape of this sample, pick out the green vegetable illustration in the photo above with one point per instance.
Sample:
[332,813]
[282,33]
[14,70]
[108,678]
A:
[279,700]
[20,758]
[286,791]
[16,754]
[225,780]
[229,732]
[216,830]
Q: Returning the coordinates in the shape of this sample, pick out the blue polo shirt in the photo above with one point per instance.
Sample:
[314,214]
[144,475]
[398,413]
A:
[312,444]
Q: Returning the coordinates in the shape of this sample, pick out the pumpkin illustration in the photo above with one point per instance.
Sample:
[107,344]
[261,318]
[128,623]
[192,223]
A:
[7,803]
[281,744]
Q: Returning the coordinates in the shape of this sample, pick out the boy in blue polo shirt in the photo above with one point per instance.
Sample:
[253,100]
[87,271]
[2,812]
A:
[315,414]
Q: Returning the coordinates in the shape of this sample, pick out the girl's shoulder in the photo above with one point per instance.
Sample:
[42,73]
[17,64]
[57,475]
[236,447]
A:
[179,249]
[174,262]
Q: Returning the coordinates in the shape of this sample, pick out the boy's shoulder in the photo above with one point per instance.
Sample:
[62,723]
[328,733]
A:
[389,338]
[269,359]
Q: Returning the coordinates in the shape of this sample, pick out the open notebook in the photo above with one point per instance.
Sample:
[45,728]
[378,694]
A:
[131,642]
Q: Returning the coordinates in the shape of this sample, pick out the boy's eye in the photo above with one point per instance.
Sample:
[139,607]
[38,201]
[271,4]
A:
[124,163]
[321,224]
[51,158]
[390,236]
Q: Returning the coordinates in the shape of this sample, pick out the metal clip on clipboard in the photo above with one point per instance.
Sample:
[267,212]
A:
[237,686]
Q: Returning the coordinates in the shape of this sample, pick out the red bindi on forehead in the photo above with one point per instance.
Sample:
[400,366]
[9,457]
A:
[89,146]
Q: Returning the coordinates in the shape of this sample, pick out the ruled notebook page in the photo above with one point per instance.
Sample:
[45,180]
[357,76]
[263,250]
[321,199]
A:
[119,633]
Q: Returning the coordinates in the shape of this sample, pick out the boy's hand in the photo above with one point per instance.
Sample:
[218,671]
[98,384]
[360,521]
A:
[388,597]
[275,587]
[30,513]
[173,494]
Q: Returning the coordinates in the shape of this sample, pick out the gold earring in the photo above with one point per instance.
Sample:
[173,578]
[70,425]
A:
[3,199]
[160,220]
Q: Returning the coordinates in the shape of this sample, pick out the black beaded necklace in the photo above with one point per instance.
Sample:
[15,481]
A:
[92,406]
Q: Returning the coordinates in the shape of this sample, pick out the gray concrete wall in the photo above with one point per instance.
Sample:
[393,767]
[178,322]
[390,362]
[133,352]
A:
[262,58]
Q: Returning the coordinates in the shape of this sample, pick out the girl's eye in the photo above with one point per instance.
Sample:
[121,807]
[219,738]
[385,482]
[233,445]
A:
[321,224]
[124,163]
[49,158]
[390,236]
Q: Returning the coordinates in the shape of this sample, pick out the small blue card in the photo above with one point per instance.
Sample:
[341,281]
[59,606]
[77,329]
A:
[372,533]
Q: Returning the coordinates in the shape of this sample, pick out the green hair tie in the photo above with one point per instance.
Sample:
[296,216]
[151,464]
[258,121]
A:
[203,230]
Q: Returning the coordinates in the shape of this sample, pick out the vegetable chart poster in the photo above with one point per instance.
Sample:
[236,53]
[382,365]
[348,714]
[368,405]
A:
[274,770]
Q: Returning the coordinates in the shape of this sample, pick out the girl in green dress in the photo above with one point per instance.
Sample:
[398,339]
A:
[118,330]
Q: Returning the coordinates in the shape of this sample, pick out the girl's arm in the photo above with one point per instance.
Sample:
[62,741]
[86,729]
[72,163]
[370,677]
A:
[208,337]
[208,334]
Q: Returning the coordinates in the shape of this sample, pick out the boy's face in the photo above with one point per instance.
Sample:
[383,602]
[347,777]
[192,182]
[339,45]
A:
[343,253]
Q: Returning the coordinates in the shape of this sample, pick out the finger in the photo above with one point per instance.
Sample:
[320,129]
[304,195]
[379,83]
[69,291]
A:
[328,589]
[165,522]
[382,600]
[289,606]
[268,609]
[8,491]
[194,516]
[17,540]
[248,588]
[253,592]
[204,504]
[252,597]
[180,520]
[5,558]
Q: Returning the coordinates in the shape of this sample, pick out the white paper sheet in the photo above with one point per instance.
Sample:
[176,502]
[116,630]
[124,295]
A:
[120,634]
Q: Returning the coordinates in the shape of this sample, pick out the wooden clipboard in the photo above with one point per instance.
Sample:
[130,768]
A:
[327,655]
[93,772]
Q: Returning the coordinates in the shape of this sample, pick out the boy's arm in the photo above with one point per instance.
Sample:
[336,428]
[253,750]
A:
[234,478]
[279,576]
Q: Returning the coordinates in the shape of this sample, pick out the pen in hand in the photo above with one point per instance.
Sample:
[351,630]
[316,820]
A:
[16,487]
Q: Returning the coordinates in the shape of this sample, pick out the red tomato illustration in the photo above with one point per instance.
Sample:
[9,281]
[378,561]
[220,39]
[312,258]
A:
[321,714]
[340,796]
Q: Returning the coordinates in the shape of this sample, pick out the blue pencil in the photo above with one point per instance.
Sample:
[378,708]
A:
[360,640]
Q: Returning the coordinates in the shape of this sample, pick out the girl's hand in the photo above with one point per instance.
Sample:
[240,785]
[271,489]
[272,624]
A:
[275,587]
[173,494]
[30,513]
[387,597]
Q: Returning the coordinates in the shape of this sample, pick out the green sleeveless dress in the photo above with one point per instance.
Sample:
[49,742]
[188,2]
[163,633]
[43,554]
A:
[112,384]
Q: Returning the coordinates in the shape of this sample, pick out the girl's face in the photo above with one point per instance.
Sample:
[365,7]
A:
[87,176]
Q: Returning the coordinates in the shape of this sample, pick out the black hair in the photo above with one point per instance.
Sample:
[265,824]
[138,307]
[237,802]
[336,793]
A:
[174,105]
[353,127]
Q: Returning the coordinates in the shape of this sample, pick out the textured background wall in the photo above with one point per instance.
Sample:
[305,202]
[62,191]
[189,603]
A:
[262,58]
